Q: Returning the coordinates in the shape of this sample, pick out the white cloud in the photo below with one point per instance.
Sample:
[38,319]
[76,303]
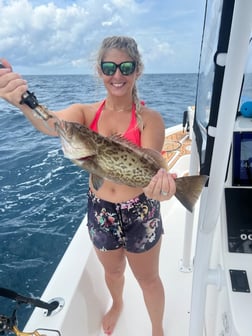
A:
[159,49]
[115,19]
[128,4]
[59,35]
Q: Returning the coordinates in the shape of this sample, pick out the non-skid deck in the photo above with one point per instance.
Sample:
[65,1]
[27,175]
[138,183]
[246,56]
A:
[176,145]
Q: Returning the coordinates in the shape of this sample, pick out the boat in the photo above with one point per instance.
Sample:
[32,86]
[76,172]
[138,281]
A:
[206,255]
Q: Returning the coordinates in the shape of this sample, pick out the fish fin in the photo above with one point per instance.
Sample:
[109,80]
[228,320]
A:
[122,141]
[156,156]
[188,189]
[97,181]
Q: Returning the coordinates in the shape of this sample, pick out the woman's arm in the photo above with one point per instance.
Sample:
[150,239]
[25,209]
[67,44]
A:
[13,86]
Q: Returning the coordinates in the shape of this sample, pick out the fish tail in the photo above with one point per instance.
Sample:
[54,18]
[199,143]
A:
[188,189]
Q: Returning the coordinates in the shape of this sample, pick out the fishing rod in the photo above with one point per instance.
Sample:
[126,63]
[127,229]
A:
[9,323]
[50,307]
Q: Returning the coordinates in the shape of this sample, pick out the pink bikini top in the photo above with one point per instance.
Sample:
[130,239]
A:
[132,134]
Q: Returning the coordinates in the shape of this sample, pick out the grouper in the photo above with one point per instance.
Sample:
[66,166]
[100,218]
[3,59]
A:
[118,160]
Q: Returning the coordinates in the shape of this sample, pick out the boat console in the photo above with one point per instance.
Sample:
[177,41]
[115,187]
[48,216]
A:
[236,219]
[238,197]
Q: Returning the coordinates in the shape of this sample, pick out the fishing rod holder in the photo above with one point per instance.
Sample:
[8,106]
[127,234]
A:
[58,303]
[51,308]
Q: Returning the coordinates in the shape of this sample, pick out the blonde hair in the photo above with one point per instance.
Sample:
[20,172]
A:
[129,46]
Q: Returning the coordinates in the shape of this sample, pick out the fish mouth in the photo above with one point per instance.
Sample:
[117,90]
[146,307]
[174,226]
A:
[72,145]
[70,148]
[75,153]
[82,159]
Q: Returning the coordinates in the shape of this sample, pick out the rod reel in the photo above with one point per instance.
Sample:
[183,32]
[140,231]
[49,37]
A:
[9,324]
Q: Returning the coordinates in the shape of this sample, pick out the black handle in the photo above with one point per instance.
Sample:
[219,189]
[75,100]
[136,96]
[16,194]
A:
[28,97]
[10,294]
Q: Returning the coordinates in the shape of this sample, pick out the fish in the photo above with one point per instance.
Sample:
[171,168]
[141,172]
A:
[116,159]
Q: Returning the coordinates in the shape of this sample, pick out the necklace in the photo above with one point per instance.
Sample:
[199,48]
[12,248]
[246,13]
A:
[106,107]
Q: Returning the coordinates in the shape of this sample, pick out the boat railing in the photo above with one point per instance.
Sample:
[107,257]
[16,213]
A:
[186,263]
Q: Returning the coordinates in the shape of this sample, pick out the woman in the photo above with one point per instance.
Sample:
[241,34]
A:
[119,217]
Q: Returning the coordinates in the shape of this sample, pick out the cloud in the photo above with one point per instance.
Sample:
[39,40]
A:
[158,49]
[41,32]
[63,36]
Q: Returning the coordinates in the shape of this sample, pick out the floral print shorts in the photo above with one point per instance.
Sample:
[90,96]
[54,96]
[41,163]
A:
[135,225]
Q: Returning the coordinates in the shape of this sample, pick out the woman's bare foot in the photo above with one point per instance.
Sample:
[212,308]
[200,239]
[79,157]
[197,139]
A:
[110,319]
[158,332]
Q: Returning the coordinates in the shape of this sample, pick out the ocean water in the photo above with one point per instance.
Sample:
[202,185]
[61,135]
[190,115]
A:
[42,194]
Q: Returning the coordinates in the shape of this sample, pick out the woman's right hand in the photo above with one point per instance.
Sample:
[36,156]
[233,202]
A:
[12,85]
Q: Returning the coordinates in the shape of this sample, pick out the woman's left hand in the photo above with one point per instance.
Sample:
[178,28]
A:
[162,186]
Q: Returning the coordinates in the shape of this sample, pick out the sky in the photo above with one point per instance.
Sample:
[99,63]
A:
[63,36]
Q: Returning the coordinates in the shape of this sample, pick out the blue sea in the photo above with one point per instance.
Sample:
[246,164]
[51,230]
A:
[42,194]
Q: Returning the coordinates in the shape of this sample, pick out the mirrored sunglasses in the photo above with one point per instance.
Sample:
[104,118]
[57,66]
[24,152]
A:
[126,68]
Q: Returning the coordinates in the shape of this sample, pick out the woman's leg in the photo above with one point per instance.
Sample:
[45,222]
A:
[145,267]
[114,263]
